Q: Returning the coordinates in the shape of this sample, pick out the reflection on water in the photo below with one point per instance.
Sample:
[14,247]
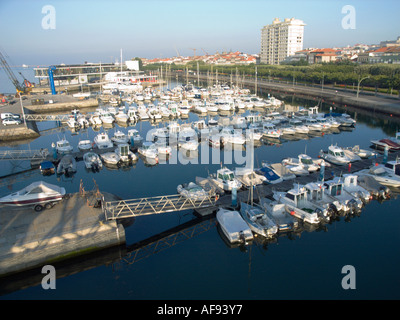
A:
[177,250]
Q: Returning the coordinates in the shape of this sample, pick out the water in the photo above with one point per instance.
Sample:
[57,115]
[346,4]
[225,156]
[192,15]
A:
[302,266]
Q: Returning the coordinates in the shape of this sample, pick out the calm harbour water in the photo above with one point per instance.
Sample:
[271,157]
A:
[202,266]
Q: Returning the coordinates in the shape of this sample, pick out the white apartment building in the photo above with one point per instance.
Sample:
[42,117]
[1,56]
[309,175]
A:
[281,39]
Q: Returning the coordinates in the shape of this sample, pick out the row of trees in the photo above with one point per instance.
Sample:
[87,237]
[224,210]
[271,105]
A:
[375,76]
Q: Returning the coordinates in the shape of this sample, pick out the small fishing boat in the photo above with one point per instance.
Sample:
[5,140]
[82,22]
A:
[270,174]
[349,202]
[67,165]
[134,137]
[302,160]
[335,155]
[47,168]
[63,146]
[37,193]
[120,137]
[226,180]
[230,135]
[147,150]
[110,158]
[249,177]
[92,161]
[188,139]
[121,116]
[233,226]
[295,200]
[380,174]
[103,141]
[362,153]
[192,191]
[85,145]
[124,153]
[280,214]
[377,190]
[258,220]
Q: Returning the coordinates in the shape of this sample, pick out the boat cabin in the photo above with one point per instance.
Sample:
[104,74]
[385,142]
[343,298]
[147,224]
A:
[335,151]
[334,187]
[315,191]
[296,196]
[393,167]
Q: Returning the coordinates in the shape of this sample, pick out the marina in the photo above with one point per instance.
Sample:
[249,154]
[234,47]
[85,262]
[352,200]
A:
[107,216]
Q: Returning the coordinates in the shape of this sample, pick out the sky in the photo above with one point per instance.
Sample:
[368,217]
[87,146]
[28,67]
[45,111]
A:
[96,31]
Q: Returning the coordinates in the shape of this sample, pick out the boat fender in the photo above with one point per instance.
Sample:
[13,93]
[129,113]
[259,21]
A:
[292,212]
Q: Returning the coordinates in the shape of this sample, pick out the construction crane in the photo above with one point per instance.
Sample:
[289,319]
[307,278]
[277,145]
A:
[21,88]
[205,52]
[194,52]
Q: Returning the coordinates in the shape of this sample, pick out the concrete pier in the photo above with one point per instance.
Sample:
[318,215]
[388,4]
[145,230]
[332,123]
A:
[71,228]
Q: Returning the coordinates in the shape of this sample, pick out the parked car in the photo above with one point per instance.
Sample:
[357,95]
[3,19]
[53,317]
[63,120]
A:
[6,115]
[9,121]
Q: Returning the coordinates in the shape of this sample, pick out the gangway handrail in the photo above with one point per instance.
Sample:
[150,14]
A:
[41,154]
[129,208]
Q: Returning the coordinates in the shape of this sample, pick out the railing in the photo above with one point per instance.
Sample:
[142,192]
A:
[47,117]
[32,155]
[154,205]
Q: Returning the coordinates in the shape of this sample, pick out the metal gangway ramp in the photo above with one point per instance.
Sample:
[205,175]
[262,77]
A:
[32,155]
[46,117]
[154,205]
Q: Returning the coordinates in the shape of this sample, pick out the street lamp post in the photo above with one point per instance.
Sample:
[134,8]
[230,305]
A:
[358,85]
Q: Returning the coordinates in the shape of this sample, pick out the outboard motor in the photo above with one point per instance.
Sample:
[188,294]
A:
[332,210]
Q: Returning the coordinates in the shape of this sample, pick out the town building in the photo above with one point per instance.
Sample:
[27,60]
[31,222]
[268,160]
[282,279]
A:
[281,39]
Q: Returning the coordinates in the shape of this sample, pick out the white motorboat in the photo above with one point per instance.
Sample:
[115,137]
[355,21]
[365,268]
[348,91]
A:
[352,186]
[362,153]
[192,191]
[233,226]
[134,137]
[303,160]
[124,153]
[248,177]
[85,145]
[188,139]
[300,207]
[107,117]
[103,141]
[37,193]
[287,130]
[63,146]
[377,190]
[230,135]
[335,155]
[353,157]
[142,112]
[214,140]
[298,126]
[95,120]
[148,150]
[271,176]
[92,161]
[386,143]
[324,201]
[270,130]
[120,137]
[393,167]
[73,123]
[324,123]
[67,165]
[280,214]
[258,220]
[349,202]
[313,124]
[110,158]
[132,114]
[297,169]
[381,175]
[162,146]
[122,117]
[226,180]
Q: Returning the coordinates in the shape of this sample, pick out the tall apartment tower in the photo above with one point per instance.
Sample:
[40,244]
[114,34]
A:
[281,39]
